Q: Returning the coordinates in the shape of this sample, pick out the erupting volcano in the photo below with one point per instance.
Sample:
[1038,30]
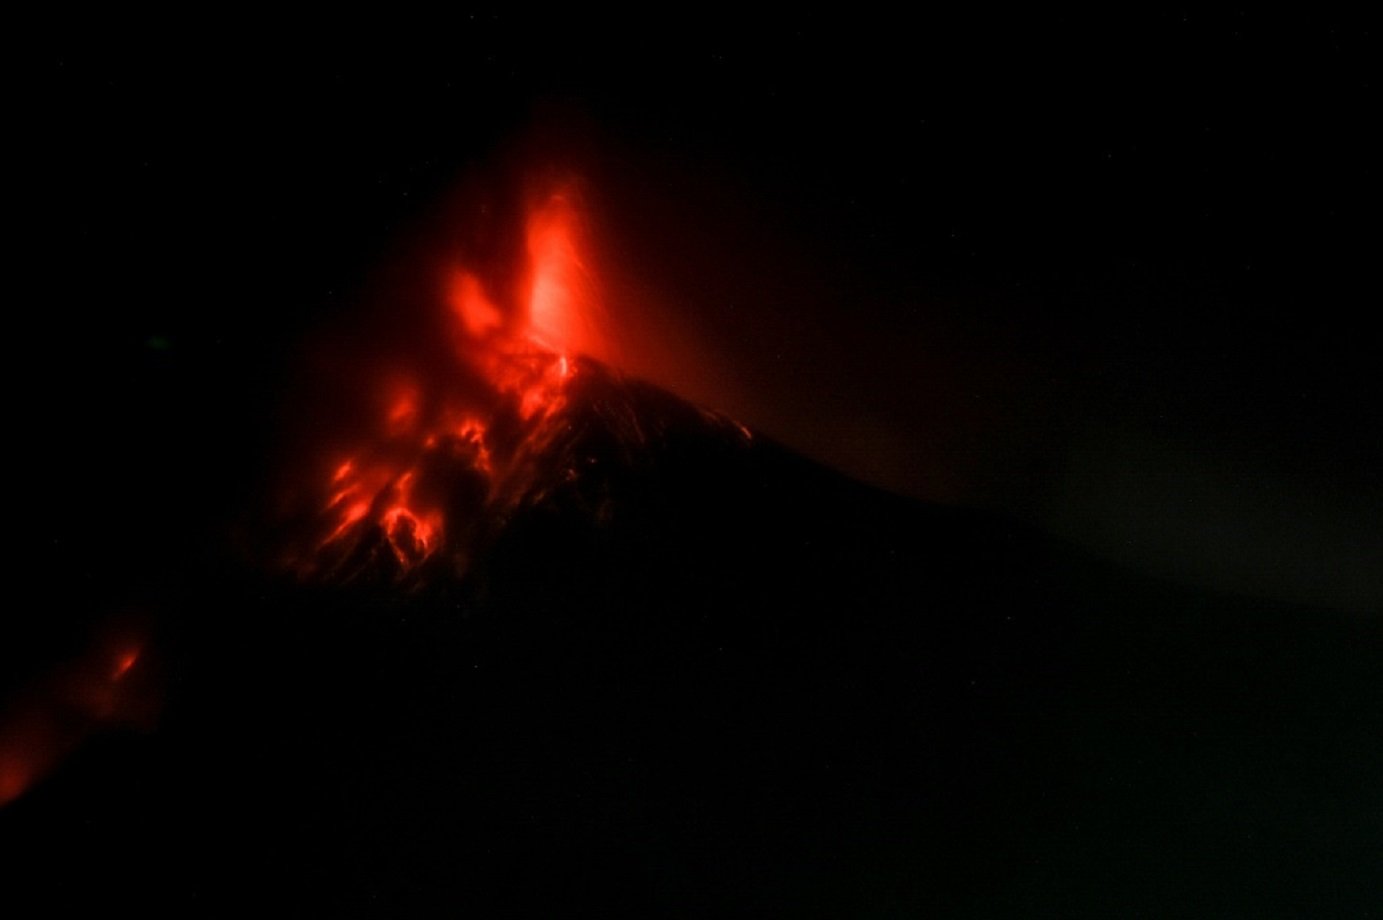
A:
[510,424]
[537,633]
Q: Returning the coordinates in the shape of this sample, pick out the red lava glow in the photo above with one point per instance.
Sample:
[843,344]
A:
[392,500]
[51,718]
[124,663]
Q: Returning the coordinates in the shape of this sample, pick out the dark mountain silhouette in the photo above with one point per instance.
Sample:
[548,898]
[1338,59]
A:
[681,671]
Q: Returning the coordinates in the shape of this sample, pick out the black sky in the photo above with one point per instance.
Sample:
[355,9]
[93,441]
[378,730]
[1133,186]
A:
[1114,276]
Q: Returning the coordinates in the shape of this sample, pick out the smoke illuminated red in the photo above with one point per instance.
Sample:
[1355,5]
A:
[397,500]
[469,302]
[560,301]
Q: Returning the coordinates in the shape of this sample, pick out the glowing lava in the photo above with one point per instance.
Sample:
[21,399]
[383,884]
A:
[443,454]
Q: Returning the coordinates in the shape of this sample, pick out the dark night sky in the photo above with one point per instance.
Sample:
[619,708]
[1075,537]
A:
[1114,276]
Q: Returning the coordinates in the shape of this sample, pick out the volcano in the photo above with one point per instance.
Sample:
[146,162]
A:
[540,638]
[672,668]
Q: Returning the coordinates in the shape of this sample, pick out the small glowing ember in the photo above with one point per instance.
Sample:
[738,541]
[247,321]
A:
[124,663]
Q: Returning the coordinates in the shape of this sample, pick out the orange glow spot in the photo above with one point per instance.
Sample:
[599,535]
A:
[124,663]
[343,471]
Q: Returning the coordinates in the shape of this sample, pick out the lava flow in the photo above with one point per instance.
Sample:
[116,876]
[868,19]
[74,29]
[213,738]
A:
[444,453]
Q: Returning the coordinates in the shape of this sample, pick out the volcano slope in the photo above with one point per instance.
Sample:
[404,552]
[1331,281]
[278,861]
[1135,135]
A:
[669,668]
